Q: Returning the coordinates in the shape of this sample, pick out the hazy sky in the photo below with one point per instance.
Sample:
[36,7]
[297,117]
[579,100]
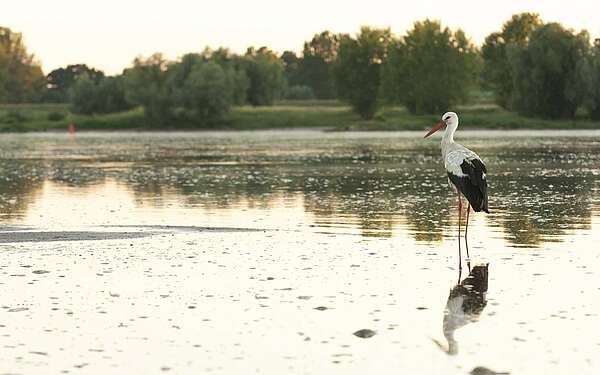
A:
[108,34]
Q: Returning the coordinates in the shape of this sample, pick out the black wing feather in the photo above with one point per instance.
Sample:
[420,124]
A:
[474,184]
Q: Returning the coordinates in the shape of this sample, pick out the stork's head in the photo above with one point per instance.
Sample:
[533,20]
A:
[449,119]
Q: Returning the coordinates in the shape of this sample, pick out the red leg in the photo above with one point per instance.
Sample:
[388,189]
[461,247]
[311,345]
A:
[459,252]
[466,242]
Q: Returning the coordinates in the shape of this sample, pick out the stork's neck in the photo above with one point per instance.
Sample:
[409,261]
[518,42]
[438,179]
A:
[448,139]
[449,134]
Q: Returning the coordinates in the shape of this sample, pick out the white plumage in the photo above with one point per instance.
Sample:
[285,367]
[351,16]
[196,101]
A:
[454,159]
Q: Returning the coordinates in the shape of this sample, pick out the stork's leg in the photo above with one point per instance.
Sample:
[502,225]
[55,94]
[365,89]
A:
[459,252]
[466,241]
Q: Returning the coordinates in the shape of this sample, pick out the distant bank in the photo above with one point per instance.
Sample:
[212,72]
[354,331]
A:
[293,114]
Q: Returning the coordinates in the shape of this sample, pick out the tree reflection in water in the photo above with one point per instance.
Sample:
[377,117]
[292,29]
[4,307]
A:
[540,190]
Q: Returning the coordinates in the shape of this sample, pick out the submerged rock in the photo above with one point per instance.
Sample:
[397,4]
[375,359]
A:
[364,333]
[480,370]
[18,309]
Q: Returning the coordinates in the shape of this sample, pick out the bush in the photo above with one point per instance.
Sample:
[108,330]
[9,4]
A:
[14,116]
[299,92]
[56,116]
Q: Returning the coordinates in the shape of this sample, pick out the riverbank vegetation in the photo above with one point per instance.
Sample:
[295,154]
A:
[323,114]
[529,74]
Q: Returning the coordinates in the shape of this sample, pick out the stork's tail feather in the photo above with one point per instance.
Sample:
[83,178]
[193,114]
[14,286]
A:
[484,205]
[481,207]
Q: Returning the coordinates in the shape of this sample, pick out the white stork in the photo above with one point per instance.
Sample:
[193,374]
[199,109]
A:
[466,172]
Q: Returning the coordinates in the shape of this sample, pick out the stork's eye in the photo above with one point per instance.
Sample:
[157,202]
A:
[447,118]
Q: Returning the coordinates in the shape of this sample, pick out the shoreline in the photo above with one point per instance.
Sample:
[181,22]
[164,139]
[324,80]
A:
[329,117]
[465,133]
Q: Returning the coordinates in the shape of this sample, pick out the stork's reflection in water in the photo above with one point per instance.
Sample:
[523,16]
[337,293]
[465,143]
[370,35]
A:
[465,303]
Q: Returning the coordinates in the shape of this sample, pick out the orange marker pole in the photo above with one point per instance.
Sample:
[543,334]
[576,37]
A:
[71,131]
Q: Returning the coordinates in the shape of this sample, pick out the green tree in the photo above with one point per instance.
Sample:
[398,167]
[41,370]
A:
[265,75]
[198,89]
[112,92]
[83,96]
[206,93]
[315,68]
[241,83]
[358,70]
[546,72]
[290,62]
[430,69]
[60,81]
[146,85]
[234,67]
[21,77]
[589,78]
[497,72]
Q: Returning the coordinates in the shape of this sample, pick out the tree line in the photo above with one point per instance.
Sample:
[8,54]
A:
[535,68]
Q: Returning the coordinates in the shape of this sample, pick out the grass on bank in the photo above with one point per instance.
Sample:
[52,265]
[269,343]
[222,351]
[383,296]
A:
[292,114]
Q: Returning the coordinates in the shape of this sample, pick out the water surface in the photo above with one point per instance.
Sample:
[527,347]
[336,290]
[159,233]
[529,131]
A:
[230,251]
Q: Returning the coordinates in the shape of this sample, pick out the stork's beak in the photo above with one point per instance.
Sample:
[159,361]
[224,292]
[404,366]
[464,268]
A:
[437,127]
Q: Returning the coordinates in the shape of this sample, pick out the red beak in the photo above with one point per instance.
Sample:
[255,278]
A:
[437,127]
